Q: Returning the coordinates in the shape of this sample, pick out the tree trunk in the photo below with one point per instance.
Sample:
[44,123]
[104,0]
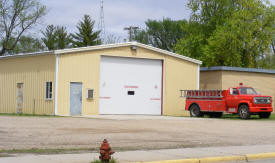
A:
[3,51]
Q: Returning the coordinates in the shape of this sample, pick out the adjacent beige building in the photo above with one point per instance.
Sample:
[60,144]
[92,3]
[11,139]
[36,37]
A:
[224,77]
[126,78]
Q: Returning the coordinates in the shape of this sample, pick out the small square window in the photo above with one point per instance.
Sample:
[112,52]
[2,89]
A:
[235,91]
[90,93]
[131,93]
[49,90]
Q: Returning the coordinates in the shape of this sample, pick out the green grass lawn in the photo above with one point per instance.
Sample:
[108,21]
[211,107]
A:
[26,115]
[253,117]
[49,151]
[111,161]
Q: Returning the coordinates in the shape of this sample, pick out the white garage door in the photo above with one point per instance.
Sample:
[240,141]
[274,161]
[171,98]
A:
[130,86]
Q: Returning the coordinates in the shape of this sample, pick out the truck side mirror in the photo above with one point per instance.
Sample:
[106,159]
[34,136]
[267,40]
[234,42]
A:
[231,91]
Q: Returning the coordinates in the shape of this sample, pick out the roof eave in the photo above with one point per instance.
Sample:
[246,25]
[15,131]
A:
[170,53]
[27,54]
[237,69]
[108,46]
[100,47]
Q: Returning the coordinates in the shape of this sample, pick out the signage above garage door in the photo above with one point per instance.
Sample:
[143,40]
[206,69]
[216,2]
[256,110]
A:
[130,86]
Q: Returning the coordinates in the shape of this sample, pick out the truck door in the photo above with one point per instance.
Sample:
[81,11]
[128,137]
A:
[232,100]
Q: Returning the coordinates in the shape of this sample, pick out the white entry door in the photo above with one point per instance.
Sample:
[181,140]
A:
[75,98]
[130,86]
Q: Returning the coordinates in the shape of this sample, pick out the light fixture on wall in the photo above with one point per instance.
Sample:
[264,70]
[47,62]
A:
[133,47]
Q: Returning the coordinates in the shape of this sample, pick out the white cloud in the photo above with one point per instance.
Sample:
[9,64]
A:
[118,13]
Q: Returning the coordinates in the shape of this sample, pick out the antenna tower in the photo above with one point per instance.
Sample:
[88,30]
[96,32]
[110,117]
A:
[101,21]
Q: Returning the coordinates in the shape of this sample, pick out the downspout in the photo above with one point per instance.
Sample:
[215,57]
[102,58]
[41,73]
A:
[56,84]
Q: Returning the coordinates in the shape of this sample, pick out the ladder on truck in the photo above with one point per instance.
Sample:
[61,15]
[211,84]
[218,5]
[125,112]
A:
[201,93]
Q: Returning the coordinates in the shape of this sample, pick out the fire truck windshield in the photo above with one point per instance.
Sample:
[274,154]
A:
[247,91]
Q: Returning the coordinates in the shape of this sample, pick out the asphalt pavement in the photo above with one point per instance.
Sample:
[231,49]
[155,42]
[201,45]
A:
[147,156]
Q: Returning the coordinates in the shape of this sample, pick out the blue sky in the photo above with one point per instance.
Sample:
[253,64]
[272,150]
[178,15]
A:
[118,13]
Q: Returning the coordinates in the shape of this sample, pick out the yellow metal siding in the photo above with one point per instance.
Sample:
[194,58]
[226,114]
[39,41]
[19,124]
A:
[78,67]
[262,82]
[211,80]
[85,67]
[179,75]
[33,72]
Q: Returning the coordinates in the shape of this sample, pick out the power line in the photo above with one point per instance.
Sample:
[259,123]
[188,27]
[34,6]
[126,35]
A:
[130,30]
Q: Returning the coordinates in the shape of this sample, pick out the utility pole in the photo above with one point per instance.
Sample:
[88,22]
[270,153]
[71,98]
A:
[101,22]
[130,29]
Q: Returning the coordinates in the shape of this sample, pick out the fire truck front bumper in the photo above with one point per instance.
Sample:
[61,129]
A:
[256,109]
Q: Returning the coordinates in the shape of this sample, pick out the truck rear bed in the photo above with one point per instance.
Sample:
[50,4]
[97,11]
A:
[207,100]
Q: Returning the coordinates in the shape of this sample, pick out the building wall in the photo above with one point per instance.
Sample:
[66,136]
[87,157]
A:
[33,72]
[262,82]
[85,67]
[211,80]
[178,75]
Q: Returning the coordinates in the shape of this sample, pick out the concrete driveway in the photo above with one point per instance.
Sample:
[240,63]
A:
[130,132]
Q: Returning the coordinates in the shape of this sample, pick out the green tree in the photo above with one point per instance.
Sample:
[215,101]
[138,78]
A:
[142,36]
[56,37]
[206,15]
[49,37]
[193,42]
[17,17]
[268,62]
[86,35]
[28,44]
[246,37]
[64,39]
[273,61]
[229,33]
[162,34]
[273,42]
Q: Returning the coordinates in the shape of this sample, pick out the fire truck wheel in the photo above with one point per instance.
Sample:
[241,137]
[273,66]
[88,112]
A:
[195,111]
[264,115]
[244,112]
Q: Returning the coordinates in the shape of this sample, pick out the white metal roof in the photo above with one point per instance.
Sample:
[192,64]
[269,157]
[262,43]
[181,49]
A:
[107,46]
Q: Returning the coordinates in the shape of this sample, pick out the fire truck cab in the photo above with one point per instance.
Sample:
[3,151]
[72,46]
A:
[241,100]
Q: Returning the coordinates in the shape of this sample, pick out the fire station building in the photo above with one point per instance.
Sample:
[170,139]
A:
[224,77]
[125,78]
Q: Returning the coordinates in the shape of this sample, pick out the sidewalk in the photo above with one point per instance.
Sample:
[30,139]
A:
[141,156]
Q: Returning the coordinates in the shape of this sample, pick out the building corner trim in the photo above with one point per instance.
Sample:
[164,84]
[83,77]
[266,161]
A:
[198,82]
[56,84]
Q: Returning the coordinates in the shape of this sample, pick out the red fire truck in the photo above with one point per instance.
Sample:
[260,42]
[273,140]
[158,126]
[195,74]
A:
[241,100]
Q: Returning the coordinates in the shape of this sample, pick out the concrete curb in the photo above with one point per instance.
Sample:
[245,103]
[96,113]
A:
[247,157]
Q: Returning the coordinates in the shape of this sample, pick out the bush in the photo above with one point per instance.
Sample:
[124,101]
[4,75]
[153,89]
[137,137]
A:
[111,161]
